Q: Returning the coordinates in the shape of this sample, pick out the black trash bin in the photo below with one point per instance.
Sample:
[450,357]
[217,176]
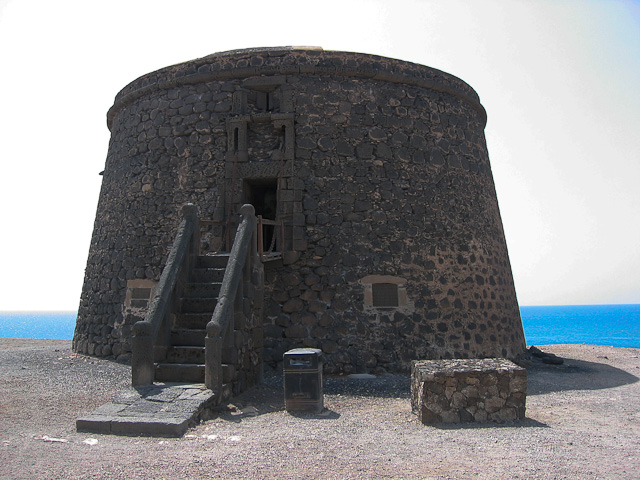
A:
[303,380]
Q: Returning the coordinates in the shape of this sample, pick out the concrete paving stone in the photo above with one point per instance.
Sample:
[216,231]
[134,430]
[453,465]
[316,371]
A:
[94,424]
[187,386]
[164,427]
[159,409]
[141,412]
[164,395]
[189,393]
[110,409]
[139,415]
[185,407]
[143,406]
[127,397]
[150,390]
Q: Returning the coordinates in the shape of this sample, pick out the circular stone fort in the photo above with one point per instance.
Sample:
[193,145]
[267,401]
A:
[385,242]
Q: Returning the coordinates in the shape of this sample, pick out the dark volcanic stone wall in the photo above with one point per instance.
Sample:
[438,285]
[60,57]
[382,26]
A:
[384,185]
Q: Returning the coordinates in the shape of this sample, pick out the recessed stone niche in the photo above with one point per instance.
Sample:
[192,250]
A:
[468,390]
[139,294]
[385,291]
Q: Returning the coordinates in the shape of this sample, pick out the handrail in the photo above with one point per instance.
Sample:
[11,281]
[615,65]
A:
[243,280]
[261,232]
[243,253]
[225,242]
[145,332]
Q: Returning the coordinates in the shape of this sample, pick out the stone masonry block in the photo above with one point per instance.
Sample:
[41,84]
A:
[468,390]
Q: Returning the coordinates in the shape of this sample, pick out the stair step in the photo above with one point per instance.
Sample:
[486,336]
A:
[198,305]
[188,372]
[191,321]
[212,261]
[179,372]
[202,290]
[187,354]
[207,275]
[188,337]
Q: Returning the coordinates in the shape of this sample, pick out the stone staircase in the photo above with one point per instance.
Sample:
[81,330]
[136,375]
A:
[185,356]
[168,396]
[178,397]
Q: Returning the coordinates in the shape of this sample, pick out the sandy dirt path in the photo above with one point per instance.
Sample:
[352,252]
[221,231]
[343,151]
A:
[583,421]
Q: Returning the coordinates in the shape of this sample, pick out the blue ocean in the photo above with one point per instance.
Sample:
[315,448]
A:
[615,325]
[54,325]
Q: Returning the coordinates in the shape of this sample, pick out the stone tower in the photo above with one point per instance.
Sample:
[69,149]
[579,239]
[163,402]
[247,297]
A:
[377,172]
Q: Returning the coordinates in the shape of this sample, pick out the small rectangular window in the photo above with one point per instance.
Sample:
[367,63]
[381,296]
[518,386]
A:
[139,293]
[384,294]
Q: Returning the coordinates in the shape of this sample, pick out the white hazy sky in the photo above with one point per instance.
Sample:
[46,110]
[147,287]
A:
[560,81]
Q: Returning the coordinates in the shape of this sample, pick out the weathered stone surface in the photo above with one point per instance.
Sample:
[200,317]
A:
[382,170]
[156,410]
[464,390]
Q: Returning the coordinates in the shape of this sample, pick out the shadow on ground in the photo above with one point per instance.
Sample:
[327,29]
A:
[575,375]
[269,397]
[525,423]
[571,375]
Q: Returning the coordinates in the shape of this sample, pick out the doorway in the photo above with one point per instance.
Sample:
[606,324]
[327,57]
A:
[262,193]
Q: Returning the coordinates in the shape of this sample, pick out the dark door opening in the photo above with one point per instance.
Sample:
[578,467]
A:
[263,195]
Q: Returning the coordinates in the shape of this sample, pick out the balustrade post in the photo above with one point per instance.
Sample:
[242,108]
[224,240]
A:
[260,237]
[190,212]
[229,352]
[220,342]
[213,360]
[142,365]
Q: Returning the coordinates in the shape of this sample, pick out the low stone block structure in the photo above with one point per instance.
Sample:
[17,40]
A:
[468,390]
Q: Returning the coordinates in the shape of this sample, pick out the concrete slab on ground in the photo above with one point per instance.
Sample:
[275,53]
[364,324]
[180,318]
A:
[159,410]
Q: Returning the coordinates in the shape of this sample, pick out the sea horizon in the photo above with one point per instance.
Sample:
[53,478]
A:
[616,324]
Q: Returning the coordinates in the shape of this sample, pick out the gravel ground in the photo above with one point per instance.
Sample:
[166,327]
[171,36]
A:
[583,421]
